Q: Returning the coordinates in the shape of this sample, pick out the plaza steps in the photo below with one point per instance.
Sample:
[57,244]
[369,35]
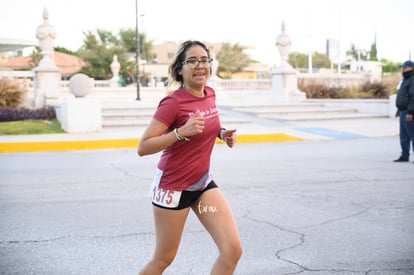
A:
[304,112]
[138,115]
[133,116]
[125,115]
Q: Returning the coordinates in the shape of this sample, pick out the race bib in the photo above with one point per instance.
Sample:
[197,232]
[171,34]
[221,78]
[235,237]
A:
[166,198]
[163,197]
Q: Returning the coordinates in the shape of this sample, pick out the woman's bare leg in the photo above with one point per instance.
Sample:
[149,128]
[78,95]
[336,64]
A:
[215,214]
[169,225]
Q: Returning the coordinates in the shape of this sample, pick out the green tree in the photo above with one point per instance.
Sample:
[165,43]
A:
[64,50]
[35,58]
[373,52]
[231,60]
[300,60]
[357,54]
[100,47]
[128,39]
[389,67]
[320,60]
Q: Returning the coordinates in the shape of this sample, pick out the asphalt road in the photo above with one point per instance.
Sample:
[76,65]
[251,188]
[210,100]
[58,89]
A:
[309,207]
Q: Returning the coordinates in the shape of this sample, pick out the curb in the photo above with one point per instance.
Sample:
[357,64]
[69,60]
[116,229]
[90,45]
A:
[65,145]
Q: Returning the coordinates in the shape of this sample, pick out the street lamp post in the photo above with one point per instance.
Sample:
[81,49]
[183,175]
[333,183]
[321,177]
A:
[137,50]
[143,50]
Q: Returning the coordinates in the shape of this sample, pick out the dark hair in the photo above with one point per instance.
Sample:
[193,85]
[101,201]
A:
[179,58]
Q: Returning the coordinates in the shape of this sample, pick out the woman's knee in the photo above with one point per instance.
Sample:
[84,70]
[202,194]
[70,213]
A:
[164,260]
[237,251]
[232,252]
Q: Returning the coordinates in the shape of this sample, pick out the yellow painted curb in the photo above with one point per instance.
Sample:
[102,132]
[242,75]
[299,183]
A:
[277,137]
[64,145]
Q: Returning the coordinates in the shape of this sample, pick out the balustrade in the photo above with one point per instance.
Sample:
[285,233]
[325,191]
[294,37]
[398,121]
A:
[332,80]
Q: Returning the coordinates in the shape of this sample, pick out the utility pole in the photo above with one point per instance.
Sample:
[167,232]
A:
[309,41]
[137,51]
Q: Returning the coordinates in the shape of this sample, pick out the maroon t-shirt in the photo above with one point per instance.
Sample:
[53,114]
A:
[185,162]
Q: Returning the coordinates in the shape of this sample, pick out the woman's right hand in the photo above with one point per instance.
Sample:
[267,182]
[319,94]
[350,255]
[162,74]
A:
[193,126]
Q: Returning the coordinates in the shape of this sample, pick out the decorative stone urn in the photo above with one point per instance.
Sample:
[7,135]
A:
[284,77]
[46,33]
[283,44]
[47,74]
[115,67]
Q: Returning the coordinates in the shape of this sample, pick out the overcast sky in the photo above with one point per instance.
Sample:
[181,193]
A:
[252,23]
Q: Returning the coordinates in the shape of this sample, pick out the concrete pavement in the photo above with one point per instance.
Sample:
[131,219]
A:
[329,201]
[320,206]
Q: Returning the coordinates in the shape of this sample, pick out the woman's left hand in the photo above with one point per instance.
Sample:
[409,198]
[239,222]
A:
[229,137]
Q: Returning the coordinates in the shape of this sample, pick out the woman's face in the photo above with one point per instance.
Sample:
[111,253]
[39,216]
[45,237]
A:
[195,73]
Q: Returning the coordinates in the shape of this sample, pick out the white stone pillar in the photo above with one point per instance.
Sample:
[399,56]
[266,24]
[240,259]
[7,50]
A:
[284,77]
[47,74]
[392,109]
[81,114]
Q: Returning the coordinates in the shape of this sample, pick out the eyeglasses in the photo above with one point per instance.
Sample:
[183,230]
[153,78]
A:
[194,63]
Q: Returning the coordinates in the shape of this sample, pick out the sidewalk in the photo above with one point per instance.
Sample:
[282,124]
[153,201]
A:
[247,133]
